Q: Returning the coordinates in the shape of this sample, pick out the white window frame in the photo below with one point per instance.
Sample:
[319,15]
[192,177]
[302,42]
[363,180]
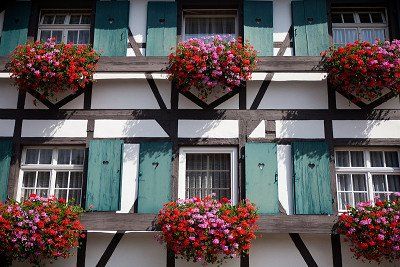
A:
[65,27]
[211,16]
[232,151]
[366,170]
[52,168]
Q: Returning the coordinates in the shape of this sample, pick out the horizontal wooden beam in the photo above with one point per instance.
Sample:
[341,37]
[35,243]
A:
[159,64]
[109,221]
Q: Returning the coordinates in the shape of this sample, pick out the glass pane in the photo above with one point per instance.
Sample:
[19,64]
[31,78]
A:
[43,180]
[364,17]
[336,18]
[379,182]
[64,156]
[46,156]
[381,196]
[61,193]
[201,27]
[32,156]
[85,19]
[345,199]
[72,37]
[60,19]
[376,17]
[62,179]
[57,35]
[359,183]
[357,158]
[394,183]
[84,37]
[348,17]
[48,19]
[26,193]
[45,35]
[74,19]
[74,196]
[360,197]
[379,34]
[391,159]
[344,182]
[78,156]
[75,180]
[42,192]
[29,179]
[376,159]
[342,159]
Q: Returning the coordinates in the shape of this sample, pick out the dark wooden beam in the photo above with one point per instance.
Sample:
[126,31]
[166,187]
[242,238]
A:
[305,253]
[110,249]
[336,250]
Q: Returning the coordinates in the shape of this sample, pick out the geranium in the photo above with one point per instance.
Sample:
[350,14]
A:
[373,229]
[38,228]
[210,62]
[50,68]
[363,69]
[206,230]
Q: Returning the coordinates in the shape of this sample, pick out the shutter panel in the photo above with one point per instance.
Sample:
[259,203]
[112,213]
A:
[154,187]
[15,28]
[262,176]
[5,160]
[312,180]
[310,24]
[258,25]
[104,175]
[161,28]
[111,28]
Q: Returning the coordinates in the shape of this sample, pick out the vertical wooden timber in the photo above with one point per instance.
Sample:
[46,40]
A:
[336,250]
[328,128]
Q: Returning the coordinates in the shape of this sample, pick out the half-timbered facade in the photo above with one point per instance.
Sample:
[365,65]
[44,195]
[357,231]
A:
[131,141]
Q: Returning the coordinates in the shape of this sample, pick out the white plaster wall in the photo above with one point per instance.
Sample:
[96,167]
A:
[208,128]
[366,129]
[282,19]
[300,129]
[259,131]
[7,128]
[344,103]
[290,94]
[54,128]
[393,103]
[285,176]
[129,177]
[127,128]
[127,94]
[9,94]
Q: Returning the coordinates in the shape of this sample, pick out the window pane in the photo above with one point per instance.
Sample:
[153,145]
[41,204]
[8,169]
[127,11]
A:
[78,156]
[376,158]
[342,159]
[344,199]
[74,19]
[391,159]
[394,183]
[26,193]
[64,156]
[359,183]
[344,182]
[42,192]
[48,19]
[74,196]
[43,180]
[360,197]
[45,35]
[357,158]
[84,37]
[62,179]
[46,156]
[336,18]
[75,180]
[29,179]
[379,182]
[57,35]
[382,196]
[32,156]
[201,27]
[60,19]
[61,193]
[348,17]
[72,37]
[364,17]
[85,19]
[377,17]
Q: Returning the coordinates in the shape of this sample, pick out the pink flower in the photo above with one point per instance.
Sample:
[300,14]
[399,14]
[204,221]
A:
[216,241]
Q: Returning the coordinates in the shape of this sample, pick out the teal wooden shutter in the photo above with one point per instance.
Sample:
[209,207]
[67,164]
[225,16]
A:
[310,25]
[258,25]
[104,175]
[262,176]
[154,187]
[15,28]
[111,28]
[312,180]
[5,160]
[161,28]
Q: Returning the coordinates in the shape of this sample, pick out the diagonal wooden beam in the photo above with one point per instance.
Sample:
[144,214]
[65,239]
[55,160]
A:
[133,44]
[305,253]
[155,91]
[223,98]
[42,100]
[380,100]
[194,99]
[69,98]
[352,99]
[110,249]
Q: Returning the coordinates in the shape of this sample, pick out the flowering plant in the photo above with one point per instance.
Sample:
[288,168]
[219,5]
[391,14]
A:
[206,230]
[206,63]
[38,228]
[50,68]
[373,230]
[364,69]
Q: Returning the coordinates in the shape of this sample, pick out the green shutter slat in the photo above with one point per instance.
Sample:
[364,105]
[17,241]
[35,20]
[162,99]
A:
[262,176]
[104,175]
[258,26]
[5,160]
[154,188]
[15,28]
[111,28]
[310,24]
[161,28]
[312,180]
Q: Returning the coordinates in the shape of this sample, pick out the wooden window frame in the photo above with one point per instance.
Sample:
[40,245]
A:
[232,151]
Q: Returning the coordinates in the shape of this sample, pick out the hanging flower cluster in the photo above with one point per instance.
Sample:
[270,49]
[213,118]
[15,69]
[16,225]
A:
[206,230]
[38,228]
[373,229]
[206,63]
[363,69]
[50,68]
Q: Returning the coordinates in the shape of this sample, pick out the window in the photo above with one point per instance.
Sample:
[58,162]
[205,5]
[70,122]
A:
[72,27]
[366,174]
[205,23]
[52,171]
[206,171]
[348,26]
